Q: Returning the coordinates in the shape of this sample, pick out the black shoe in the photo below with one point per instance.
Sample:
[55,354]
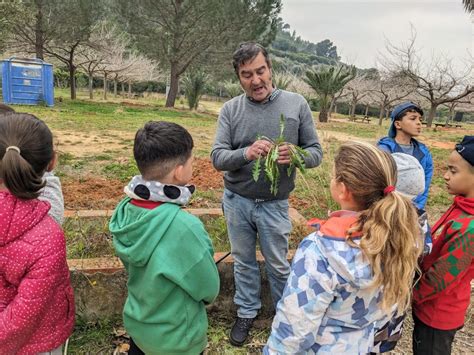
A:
[240,331]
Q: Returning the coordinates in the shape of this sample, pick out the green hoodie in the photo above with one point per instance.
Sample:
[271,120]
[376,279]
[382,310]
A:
[171,275]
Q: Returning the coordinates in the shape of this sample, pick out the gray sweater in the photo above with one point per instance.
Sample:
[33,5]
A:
[241,121]
[53,194]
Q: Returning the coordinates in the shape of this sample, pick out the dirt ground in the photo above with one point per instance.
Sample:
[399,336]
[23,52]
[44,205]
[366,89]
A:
[96,193]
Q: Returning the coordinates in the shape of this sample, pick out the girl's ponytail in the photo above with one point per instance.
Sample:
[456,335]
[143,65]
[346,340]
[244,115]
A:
[388,222]
[392,243]
[26,149]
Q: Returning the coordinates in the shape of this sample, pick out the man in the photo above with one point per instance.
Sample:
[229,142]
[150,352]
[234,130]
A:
[249,207]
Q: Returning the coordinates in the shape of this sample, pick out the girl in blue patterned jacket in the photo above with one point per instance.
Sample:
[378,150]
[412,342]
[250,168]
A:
[355,272]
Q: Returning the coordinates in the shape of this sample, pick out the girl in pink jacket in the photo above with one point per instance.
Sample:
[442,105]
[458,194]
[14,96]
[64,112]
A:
[36,298]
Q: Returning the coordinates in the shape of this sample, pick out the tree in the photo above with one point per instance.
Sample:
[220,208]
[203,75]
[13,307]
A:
[104,43]
[357,89]
[326,82]
[232,88]
[326,49]
[389,90]
[177,32]
[468,5]
[55,28]
[438,81]
[194,84]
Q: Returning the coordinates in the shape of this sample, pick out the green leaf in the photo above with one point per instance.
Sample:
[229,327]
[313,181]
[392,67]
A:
[256,169]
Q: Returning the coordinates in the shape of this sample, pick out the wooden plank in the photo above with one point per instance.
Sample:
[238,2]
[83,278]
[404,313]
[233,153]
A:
[113,264]
[295,216]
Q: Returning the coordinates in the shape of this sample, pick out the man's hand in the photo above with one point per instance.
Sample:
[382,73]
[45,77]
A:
[259,148]
[283,154]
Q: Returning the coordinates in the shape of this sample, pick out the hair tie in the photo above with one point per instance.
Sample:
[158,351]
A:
[389,189]
[13,147]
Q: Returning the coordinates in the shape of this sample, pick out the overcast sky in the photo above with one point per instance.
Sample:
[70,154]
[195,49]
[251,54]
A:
[359,28]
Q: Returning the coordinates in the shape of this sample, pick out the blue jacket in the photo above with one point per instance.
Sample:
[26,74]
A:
[420,152]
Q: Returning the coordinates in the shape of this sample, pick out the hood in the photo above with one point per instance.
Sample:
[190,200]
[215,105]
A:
[347,261]
[397,111]
[137,231]
[465,204]
[19,216]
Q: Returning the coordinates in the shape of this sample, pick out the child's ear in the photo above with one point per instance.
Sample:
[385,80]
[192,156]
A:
[344,193]
[396,124]
[52,164]
[178,172]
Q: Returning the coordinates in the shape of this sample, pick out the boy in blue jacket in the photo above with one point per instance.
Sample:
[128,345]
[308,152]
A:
[406,124]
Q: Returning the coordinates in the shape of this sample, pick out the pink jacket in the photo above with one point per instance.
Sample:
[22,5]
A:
[36,298]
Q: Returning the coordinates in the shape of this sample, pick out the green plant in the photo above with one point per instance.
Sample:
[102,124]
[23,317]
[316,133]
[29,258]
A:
[194,85]
[326,82]
[270,162]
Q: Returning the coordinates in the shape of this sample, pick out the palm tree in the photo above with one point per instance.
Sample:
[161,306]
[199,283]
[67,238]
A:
[468,5]
[327,81]
[194,84]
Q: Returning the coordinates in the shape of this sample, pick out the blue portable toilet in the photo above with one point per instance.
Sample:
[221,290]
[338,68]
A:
[27,81]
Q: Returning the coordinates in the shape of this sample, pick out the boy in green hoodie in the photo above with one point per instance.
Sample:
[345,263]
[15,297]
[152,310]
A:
[166,251]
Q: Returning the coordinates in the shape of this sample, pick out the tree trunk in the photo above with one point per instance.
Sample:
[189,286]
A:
[382,110]
[331,106]
[91,83]
[115,87]
[366,110]
[387,113]
[105,86]
[122,89]
[335,107]
[353,108]
[129,90]
[431,115]
[174,80]
[39,33]
[323,114]
[72,80]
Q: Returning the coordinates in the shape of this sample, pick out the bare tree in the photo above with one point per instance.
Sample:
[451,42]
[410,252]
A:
[357,89]
[464,104]
[388,90]
[341,94]
[105,42]
[438,81]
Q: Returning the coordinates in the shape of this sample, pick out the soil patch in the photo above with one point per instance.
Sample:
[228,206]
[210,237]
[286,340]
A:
[84,144]
[99,193]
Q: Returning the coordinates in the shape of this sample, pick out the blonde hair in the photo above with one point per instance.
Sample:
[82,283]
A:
[391,238]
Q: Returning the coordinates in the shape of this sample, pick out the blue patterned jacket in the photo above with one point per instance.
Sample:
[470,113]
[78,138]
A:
[328,306]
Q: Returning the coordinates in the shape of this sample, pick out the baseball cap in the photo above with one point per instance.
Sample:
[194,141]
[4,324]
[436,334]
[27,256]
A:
[398,112]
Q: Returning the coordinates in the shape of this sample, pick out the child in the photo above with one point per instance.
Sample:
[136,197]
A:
[333,298]
[406,124]
[442,295]
[51,191]
[166,251]
[36,298]
[410,183]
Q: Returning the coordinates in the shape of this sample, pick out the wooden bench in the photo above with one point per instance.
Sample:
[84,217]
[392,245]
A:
[363,119]
[456,125]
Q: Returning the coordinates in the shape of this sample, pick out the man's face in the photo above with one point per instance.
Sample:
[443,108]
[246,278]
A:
[256,78]
[410,124]
[459,177]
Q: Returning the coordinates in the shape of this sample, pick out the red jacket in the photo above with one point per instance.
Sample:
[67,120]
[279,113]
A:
[36,298]
[442,295]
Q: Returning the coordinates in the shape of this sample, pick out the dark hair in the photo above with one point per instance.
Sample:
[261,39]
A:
[404,112]
[159,146]
[248,51]
[22,172]
[5,109]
